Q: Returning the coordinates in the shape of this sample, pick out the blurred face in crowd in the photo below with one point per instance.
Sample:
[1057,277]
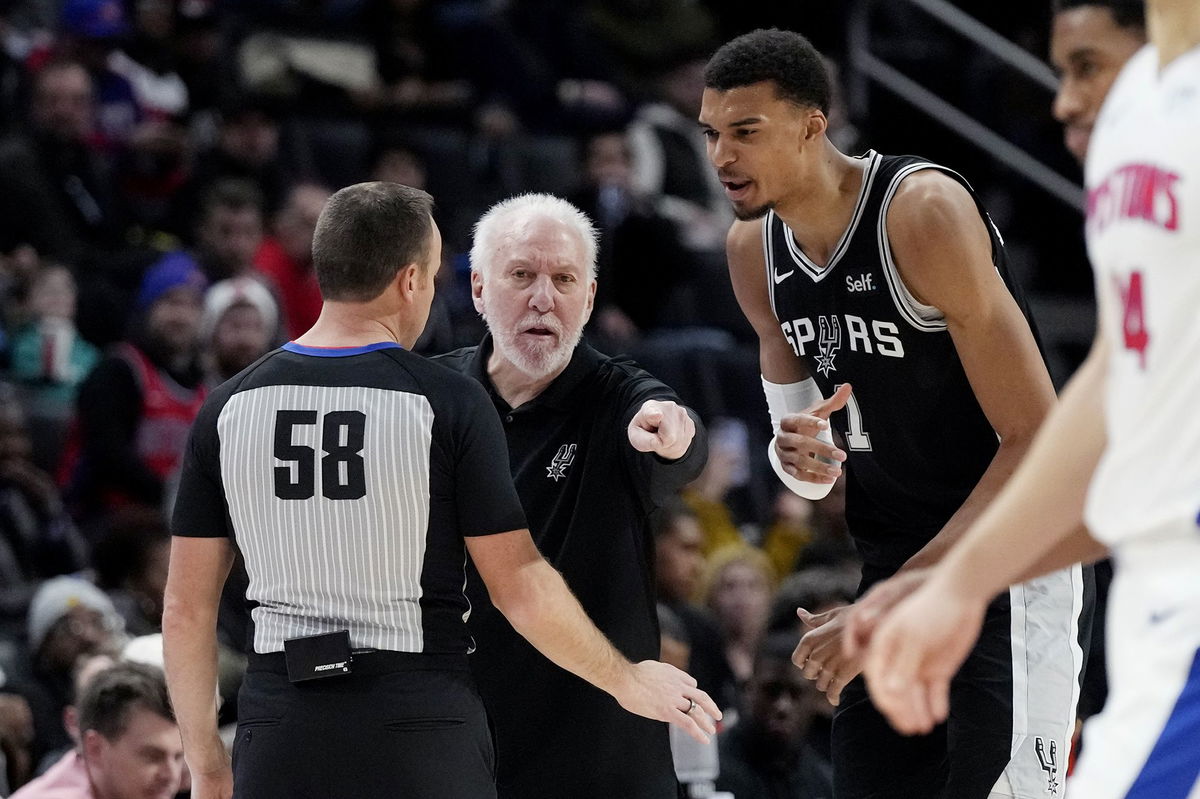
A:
[81,631]
[174,320]
[781,702]
[231,236]
[240,338]
[757,141]
[1088,48]
[608,160]
[400,166]
[251,138]
[15,444]
[52,295]
[297,221]
[680,558]
[536,295]
[63,105]
[740,598]
[144,762]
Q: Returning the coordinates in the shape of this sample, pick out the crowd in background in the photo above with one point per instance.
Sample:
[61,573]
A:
[162,167]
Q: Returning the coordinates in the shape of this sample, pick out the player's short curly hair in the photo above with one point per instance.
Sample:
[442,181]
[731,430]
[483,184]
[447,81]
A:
[1126,13]
[783,57]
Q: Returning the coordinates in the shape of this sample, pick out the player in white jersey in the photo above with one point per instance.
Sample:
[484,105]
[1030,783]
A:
[1119,452]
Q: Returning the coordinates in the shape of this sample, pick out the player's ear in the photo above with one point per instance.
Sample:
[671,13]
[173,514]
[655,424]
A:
[815,125]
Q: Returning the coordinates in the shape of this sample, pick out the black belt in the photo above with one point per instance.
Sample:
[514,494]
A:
[372,661]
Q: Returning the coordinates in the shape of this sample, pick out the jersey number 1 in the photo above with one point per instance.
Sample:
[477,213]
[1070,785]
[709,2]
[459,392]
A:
[857,438]
[343,475]
[1133,316]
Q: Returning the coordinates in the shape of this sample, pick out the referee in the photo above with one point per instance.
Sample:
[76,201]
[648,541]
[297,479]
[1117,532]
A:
[355,478]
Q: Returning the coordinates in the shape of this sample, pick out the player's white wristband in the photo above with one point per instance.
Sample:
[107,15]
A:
[783,400]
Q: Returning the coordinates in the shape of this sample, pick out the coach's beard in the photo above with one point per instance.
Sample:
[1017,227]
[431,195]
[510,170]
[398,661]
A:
[538,359]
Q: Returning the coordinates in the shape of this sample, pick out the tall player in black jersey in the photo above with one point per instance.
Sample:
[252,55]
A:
[880,294]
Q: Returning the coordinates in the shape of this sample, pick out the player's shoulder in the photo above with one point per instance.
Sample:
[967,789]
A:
[930,204]
[744,241]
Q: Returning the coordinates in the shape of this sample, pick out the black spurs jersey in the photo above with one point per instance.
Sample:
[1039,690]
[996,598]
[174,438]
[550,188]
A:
[916,438]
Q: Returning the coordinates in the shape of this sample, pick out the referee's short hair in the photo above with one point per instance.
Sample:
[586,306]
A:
[112,695]
[784,57]
[366,234]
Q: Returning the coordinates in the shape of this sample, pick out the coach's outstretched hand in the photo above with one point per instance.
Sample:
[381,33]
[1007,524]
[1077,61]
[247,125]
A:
[662,427]
[821,655]
[917,649]
[662,692]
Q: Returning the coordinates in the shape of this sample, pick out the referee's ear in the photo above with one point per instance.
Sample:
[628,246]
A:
[410,280]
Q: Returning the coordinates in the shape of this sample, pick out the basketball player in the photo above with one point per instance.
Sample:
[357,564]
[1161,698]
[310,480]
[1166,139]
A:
[880,294]
[1119,453]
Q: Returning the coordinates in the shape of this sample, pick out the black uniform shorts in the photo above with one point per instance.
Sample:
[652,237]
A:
[401,725]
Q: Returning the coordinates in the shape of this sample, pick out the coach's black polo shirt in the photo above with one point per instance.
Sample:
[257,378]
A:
[587,495]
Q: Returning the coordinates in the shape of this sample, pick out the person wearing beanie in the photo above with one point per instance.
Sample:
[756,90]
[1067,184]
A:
[240,323]
[134,410]
[69,620]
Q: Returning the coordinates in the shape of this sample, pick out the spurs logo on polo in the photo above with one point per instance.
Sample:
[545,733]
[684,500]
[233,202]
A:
[558,467]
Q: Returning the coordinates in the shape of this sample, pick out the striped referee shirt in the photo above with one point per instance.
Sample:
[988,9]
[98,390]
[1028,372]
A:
[348,477]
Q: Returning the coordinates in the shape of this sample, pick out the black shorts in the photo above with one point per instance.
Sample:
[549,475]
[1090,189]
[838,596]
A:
[1012,710]
[400,725]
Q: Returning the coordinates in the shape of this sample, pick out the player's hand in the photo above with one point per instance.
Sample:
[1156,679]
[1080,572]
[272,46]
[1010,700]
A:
[662,427]
[664,693]
[800,451]
[216,784]
[821,655]
[866,614]
[917,649]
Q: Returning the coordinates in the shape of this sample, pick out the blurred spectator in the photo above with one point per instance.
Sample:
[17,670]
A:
[48,357]
[640,260]
[676,646]
[671,162]
[737,590]
[395,162]
[130,742]
[286,256]
[831,544]
[130,561]
[706,496]
[57,195]
[69,619]
[678,565]
[789,532]
[765,755]
[16,733]
[13,77]
[421,78]
[86,667]
[37,538]
[229,228]
[247,148]
[647,35]
[240,324]
[135,409]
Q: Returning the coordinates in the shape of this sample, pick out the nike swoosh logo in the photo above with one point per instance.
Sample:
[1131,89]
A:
[780,278]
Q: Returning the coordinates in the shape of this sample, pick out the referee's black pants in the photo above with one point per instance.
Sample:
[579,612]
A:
[401,726]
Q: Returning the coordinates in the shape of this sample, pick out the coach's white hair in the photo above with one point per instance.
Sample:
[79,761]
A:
[507,217]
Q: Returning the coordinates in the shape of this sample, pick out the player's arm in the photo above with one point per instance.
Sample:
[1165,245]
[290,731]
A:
[802,452]
[197,572]
[536,601]
[1033,526]
[944,254]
